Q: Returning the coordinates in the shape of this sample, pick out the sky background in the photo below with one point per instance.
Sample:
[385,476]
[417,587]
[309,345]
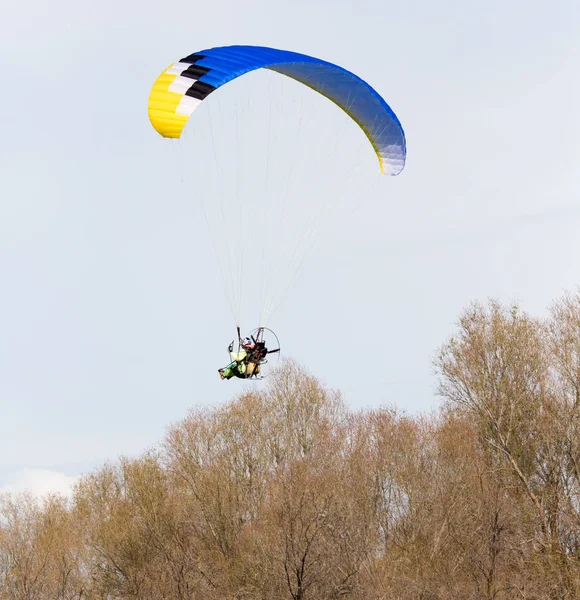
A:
[112,318]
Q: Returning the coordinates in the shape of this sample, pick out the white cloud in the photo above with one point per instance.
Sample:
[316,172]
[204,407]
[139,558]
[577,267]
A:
[38,482]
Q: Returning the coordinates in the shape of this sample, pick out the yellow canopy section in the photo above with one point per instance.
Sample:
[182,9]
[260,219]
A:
[163,105]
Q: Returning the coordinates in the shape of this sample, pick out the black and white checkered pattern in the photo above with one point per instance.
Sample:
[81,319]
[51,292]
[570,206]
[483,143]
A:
[187,83]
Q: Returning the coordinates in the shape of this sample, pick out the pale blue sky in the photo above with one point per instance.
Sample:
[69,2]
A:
[104,300]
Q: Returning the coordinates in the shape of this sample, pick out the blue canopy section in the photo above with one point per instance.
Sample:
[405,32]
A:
[216,66]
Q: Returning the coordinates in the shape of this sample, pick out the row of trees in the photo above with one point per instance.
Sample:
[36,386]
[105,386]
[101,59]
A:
[288,494]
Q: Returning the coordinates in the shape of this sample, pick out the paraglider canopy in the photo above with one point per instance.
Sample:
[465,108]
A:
[183,86]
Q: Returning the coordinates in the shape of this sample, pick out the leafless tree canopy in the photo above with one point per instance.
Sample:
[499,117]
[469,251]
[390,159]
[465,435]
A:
[287,494]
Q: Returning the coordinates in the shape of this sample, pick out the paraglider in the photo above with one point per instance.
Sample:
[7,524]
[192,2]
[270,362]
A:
[185,85]
[249,359]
